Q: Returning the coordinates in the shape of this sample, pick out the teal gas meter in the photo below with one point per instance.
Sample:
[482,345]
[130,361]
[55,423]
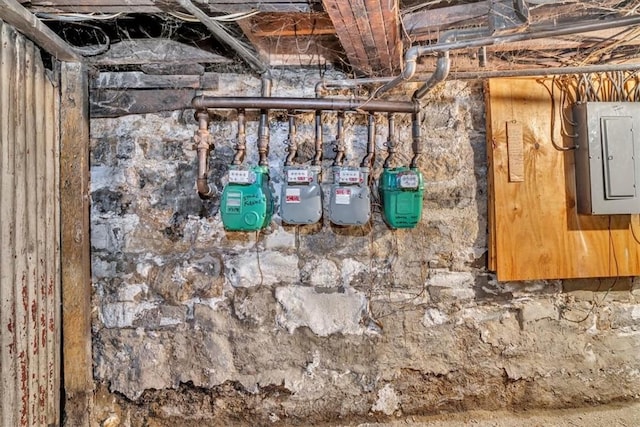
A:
[350,202]
[247,203]
[401,190]
[301,201]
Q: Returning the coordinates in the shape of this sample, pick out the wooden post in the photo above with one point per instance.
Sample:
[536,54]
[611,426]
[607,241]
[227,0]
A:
[75,256]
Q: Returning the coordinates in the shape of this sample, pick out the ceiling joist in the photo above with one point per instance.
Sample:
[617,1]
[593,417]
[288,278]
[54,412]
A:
[369,33]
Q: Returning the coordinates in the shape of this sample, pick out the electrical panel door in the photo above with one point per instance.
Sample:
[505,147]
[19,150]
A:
[607,157]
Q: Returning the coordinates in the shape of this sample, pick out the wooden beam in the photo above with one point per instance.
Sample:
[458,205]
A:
[116,103]
[155,51]
[24,21]
[368,32]
[75,252]
[290,24]
[139,80]
[150,6]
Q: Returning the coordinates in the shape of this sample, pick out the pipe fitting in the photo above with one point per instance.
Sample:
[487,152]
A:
[340,148]
[416,134]
[203,145]
[367,161]
[241,143]
[317,158]
[292,148]
[391,141]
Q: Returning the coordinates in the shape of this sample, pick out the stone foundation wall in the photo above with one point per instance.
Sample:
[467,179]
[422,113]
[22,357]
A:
[197,326]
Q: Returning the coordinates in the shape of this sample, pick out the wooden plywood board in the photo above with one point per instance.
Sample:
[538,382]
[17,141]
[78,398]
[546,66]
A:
[535,229]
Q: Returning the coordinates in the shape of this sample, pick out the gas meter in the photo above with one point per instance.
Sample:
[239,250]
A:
[350,202]
[401,190]
[247,203]
[301,201]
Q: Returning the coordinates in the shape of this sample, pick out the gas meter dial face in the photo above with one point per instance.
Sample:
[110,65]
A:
[408,180]
[299,176]
[241,176]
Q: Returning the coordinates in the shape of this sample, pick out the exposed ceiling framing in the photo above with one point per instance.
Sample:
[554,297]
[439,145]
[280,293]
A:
[363,37]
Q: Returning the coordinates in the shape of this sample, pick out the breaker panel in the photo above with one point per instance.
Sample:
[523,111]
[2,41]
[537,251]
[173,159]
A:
[607,157]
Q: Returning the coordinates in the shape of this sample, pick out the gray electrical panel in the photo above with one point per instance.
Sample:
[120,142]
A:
[350,202]
[301,201]
[607,157]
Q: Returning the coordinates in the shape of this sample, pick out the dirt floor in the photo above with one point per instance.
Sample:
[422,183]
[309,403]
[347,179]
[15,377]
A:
[622,415]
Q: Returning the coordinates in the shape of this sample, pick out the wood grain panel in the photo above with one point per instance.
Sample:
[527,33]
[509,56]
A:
[368,32]
[535,229]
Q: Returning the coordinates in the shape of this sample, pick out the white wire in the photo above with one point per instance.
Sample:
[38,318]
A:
[77,17]
[232,17]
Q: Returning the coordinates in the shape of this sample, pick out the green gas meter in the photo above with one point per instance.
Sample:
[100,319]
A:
[401,190]
[247,203]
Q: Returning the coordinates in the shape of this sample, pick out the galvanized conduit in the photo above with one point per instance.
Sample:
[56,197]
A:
[450,41]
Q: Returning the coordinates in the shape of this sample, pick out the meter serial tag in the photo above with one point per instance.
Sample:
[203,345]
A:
[292,195]
[241,177]
[349,176]
[343,196]
[298,176]
[409,180]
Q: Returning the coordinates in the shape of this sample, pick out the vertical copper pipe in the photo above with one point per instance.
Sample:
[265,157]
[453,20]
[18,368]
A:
[293,146]
[241,143]
[203,144]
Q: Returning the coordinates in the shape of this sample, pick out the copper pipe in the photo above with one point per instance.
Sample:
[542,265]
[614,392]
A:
[241,143]
[292,148]
[304,104]
[203,144]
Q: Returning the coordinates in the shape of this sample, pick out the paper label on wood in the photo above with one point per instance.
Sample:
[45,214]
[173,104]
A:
[515,150]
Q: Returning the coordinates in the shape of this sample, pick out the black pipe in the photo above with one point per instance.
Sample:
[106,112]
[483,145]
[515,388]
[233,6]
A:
[241,143]
[416,134]
[391,141]
[552,71]
[293,146]
[340,147]
[367,161]
[303,104]
[263,138]
[317,158]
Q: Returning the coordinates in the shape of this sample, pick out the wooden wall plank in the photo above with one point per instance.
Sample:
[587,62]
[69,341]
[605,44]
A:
[537,232]
[76,277]
[24,21]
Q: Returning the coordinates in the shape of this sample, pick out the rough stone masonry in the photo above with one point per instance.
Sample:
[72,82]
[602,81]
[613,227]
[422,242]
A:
[297,325]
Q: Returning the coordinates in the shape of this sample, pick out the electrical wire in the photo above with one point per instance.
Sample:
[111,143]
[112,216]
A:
[77,17]
[232,17]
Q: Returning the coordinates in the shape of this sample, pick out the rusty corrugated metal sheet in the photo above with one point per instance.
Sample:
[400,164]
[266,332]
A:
[29,236]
